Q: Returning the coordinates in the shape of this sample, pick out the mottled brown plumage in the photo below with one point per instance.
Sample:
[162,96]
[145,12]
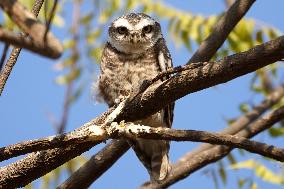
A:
[136,51]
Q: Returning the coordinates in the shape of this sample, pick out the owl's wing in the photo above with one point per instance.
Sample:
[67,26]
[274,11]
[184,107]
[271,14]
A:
[165,62]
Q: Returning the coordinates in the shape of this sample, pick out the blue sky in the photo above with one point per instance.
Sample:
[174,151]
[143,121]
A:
[31,94]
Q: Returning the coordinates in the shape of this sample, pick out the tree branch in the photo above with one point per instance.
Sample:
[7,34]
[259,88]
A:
[228,68]
[37,164]
[48,22]
[32,27]
[206,75]
[193,162]
[87,174]
[98,134]
[243,121]
[216,39]
[269,102]
[24,171]
[213,77]
[27,43]
[90,131]
[5,73]
[96,166]
[87,132]
[4,54]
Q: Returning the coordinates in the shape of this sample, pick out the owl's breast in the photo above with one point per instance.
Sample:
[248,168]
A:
[135,72]
[121,73]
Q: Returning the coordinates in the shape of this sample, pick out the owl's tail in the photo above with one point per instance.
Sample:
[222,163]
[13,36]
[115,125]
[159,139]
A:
[154,155]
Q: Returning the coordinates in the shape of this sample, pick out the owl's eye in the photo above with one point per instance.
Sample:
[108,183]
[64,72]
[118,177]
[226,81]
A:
[147,29]
[122,30]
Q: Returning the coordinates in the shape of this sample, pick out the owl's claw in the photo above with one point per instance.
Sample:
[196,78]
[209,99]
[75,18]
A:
[119,99]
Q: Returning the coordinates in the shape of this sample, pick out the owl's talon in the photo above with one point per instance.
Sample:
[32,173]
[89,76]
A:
[119,99]
[145,84]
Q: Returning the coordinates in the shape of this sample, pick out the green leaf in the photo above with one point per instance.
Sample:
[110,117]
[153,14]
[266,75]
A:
[77,93]
[276,132]
[231,158]
[259,37]
[253,186]
[130,4]
[244,108]
[58,21]
[273,69]
[186,39]
[242,182]
[95,53]
[68,44]
[92,36]
[208,24]
[86,19]
[260,170]
[272,34]
[29,186]
[233,41]
[196,28]
[223,175]
[65,79]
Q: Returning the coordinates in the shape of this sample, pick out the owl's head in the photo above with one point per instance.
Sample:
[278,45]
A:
[134,33]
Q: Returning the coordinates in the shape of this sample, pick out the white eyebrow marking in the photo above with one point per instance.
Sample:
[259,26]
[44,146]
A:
[143,23]
[123,22]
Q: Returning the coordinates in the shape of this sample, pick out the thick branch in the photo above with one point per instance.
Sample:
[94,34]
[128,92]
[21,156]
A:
[243,121]
[27,43]
[226,69]
[35,165]
[138,131]
[87,174]
[96,133]
[216,39]
[50,47]
[206,75]
[96,166]
[190,164]
[88,132]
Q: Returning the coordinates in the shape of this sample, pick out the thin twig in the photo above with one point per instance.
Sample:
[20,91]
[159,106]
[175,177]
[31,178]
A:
[74,57]
[5,73]
[48,22]
[15,52]
[4,54]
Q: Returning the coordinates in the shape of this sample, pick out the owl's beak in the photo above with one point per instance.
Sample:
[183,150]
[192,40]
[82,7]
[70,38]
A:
[135,38]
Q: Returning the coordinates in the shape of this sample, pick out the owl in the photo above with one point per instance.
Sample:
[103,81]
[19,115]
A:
[136,51]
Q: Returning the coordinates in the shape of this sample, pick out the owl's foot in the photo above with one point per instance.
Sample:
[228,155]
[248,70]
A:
[119,99]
